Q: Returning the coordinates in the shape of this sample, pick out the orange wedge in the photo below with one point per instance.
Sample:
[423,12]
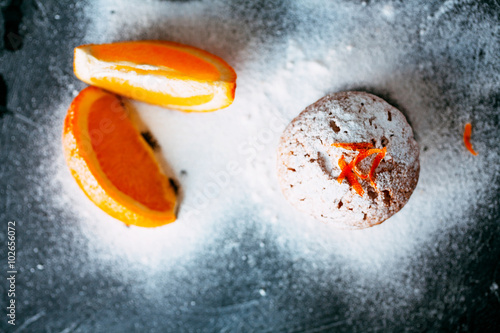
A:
[168,74]
[113,164]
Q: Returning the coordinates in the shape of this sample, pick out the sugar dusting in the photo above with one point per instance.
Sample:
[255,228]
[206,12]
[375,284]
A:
[277,87]
[225,161]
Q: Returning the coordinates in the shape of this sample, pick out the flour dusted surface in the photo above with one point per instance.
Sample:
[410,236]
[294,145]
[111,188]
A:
[431,267]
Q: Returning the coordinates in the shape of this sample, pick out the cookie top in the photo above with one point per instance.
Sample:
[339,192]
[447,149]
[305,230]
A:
[308,164]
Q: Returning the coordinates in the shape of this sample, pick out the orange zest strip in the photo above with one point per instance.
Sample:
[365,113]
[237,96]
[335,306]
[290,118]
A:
[351,165]
[351,178]
[361,156]
[375,164]
[353,146]
[350,170]
[467,134]
[358,173]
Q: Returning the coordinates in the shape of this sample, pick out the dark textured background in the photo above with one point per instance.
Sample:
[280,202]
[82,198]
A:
[58,292]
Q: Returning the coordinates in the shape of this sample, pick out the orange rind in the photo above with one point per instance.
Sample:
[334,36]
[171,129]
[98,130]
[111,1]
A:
[350,171]
[467,135]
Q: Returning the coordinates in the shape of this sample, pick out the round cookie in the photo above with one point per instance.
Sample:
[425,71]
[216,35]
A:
[308,164]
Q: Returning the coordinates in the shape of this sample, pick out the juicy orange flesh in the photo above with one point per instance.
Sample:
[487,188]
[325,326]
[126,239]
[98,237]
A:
[157,55]
[122,155]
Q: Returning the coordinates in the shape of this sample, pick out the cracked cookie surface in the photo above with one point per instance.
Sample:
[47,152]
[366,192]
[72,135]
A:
[308,163]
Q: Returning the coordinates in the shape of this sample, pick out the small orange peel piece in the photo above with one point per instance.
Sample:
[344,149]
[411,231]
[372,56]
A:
[113,164]
[168,74]
[380,156]
[353,146]
[358,173]
[350,170]
[351,178]
[363,153]
[467,135]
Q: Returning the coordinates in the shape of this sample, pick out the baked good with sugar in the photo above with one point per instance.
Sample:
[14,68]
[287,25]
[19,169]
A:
[349,159]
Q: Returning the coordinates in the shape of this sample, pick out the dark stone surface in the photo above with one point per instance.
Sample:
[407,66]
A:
[62,288]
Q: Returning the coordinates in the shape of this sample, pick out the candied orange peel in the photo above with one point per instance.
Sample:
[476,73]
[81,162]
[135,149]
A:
[353,146]
[375,164]
[351,178]
[350,171]
[467,134]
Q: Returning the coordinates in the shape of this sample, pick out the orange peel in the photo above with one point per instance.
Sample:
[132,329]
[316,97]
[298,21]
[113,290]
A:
[351,178]
[363,153]
[353,146]
[467,135]
[375,164]
[350,171]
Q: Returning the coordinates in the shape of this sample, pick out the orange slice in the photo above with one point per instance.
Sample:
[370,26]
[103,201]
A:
[113,164]
[168,74]
[375,164]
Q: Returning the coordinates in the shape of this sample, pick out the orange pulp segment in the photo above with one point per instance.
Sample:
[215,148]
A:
[113,164]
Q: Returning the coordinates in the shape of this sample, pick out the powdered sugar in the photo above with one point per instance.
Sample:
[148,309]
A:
[274,84]
[288,55]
